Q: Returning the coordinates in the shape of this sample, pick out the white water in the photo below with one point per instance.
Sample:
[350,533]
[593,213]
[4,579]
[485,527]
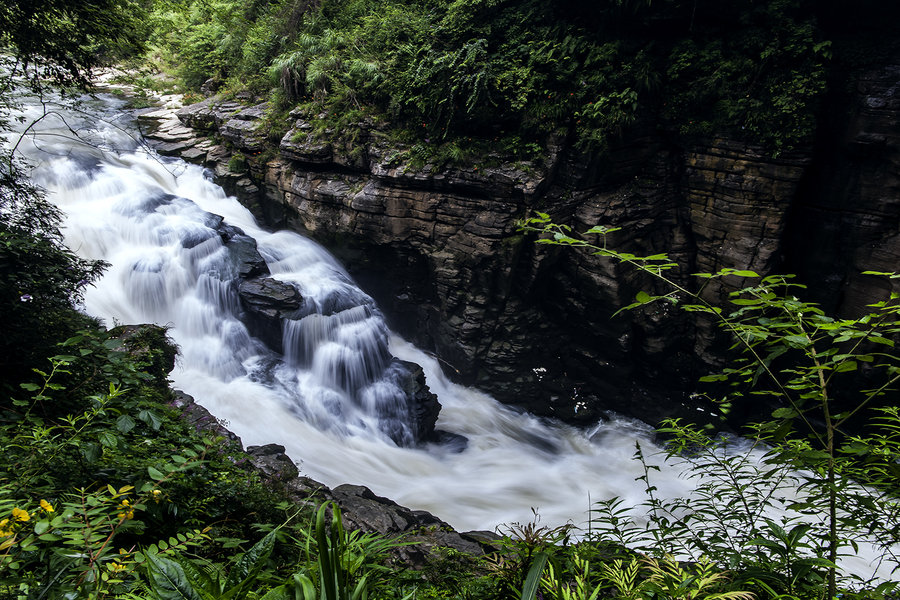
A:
[151,219]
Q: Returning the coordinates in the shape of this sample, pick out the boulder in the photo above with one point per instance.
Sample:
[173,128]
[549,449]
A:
[424,407]
[244,256]
[266,302]
[201,418]
[363,510]
[426,535]
[271,461]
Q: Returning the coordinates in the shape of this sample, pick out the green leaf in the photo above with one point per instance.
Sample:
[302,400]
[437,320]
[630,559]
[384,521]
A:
[799,340]
[125,424]
[285,592]
[90,452]
[643,297]
[712,378]
[31,387]
[251,563]
[150,419]
[41,527]
[108,439]
[155,473]
[168,581]
[844,367]
[746,302]
[785,413]
[306,587]
[533,580]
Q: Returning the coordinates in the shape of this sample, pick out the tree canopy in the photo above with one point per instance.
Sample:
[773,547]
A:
[61,41]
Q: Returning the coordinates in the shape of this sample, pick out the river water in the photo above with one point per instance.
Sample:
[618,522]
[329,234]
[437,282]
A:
[154,220]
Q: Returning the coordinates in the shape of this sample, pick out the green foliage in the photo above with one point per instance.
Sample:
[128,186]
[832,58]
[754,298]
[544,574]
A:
[524,550]
[237,163]
[454,69]
[177,578]
[341,565]
[61,41]
[822,374]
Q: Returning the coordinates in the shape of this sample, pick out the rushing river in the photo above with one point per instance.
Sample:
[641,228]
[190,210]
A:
[154,220]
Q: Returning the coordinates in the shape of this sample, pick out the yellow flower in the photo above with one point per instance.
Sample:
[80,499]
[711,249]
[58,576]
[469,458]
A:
[126,515]
[156,495]
[5,529]
[20,515]
[46,506]
[125,504]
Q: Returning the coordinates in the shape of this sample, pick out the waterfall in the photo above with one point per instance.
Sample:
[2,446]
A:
[332,394]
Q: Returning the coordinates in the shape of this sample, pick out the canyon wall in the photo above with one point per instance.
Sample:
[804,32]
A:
[440,249]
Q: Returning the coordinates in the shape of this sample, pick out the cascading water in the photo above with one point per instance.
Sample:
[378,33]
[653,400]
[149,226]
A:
[333,397]
[158,222]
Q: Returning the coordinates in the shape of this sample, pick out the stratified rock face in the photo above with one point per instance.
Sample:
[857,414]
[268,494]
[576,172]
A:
[847,219]
[440,250]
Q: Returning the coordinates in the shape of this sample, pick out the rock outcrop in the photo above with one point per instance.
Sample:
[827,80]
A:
[440,250]
[361,509]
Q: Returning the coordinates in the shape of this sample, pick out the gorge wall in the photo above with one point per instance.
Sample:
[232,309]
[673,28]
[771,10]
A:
[440,251]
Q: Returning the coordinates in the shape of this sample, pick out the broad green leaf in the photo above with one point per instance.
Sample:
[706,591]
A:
[155,473]
[799,340]
[533,580]
[125,424]
[784,413]
[250,564]
[844,367]
[108,439]
[168,581]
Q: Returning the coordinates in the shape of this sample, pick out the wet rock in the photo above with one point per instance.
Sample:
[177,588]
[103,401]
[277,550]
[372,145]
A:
[363,510]
[272,462]
[243,254]
[266,302]
[201,418]
[423,404]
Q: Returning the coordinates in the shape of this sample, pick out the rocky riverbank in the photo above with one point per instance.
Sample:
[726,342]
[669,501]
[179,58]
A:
[361,509]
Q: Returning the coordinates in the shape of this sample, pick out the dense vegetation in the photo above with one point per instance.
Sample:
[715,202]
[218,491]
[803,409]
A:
[510,75]
[106,492]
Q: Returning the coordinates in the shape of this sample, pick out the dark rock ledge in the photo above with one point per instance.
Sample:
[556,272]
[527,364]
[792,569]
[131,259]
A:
[361,508]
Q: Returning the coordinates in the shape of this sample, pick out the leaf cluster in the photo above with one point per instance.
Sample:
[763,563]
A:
[454,69]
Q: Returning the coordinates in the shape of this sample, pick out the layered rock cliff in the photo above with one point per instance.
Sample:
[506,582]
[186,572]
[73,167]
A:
[440,250]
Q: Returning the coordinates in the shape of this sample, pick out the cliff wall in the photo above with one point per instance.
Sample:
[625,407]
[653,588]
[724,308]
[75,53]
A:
[440,251]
